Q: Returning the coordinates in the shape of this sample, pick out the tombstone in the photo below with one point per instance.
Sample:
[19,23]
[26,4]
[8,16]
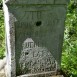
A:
[34,36]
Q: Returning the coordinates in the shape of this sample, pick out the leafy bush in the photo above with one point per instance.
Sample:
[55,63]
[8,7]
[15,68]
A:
[69,55]
[2,47]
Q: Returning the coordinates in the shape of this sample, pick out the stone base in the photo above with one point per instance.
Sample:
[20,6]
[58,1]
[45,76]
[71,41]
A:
[58,76]
[42,76]
[2,73]
[2,67]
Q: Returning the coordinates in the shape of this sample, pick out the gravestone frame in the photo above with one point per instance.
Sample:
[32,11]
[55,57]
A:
[34,36]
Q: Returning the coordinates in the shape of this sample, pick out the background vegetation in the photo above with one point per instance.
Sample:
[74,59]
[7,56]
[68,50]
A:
[69,55]
[2,40]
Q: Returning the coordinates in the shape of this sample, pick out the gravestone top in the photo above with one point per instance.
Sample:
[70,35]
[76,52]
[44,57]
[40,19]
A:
[54,2]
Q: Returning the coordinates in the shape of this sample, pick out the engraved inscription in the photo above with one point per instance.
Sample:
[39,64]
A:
[35,59]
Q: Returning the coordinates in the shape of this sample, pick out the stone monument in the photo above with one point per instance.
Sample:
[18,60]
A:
[34,36]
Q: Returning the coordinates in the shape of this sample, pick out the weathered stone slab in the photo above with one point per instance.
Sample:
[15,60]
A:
[34,36]
[2,63]
[2,73]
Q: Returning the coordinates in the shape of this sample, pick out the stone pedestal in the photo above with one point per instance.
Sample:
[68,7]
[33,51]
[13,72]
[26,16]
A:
[2,73]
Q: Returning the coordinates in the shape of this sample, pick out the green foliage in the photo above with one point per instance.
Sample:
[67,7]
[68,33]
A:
[69,59]
[0,4]
[2,47]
